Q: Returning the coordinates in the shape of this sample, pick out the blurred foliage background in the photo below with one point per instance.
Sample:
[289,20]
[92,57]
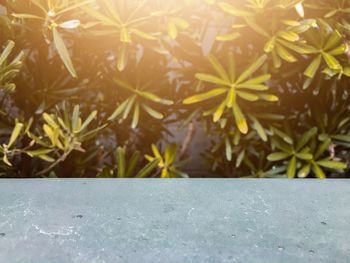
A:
[102,88]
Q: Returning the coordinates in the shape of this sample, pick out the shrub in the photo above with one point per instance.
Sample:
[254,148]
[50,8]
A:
[89,88]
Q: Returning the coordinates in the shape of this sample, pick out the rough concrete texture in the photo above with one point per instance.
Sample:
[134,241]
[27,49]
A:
[182,221]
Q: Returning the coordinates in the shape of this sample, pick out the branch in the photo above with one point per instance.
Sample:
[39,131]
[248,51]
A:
[188,139]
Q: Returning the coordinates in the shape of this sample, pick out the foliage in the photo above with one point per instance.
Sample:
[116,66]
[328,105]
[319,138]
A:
[95,88]
[167,164]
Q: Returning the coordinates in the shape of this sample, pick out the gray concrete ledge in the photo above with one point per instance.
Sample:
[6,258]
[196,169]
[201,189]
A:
[182,221]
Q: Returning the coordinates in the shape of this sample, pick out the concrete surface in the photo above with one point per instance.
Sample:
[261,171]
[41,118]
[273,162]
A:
[182,221]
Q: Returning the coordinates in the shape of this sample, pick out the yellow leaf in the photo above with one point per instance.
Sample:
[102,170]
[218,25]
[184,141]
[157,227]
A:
[241,122]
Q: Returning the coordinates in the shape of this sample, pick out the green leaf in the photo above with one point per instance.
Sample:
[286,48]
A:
[277,156]
[155,114]
[170,153]
[39,152]
[134,160]
[247,96]
[75,118]
[289,36]
[219,68]
[257,80]
[331,61]
[304,156]
[258,87]
[212,79]
[15,133]
[259,128]
[344,138]
[332,164]
[148,169]
[228,149]
[277,61]
[268,97]
[323,147]
[165,173]
[155,98]
[307,83]
[318,171]
[299,48]
[48,118]
[121,162]
[240,158]
[219,111]
[205,96]
[339,50]
[285,54]
[6,52]
[46,158]
[305,138]
[156,151]
[136,116]
[333,41]
[304,171]
[292,166]
[129,107]
[280,144]
[283,135]
[313,67]
[50,133]
[88,121]
[63,52]
[6,160]
[254,67]
[119,110]
[231,98]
